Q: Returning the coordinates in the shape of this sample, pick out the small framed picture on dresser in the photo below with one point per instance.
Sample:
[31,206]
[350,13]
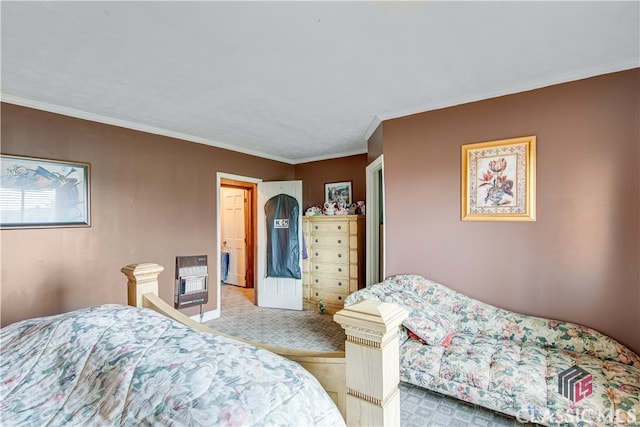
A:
[338,192]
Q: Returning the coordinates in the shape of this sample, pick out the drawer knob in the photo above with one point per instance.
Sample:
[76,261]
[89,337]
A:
[339,255]
[339,241]
[317,280]
[339,269]
[317,294]
[316,227]
[316,240]
[316,267]
[339,283]
[339,227]
[316,253]
[339,298]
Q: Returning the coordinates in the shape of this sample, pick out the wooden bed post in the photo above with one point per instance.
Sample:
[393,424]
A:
[143,279]
[372,362]
[372,351]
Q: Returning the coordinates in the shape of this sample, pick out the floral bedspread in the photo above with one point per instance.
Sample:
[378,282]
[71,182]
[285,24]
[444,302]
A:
[118,365]
[507,361]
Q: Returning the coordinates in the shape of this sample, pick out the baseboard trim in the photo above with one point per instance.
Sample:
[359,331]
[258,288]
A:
[207,315]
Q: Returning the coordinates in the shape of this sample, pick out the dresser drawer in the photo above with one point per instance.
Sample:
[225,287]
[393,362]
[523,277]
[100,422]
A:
[329,254]
[327,297]
[334,240]
[330,227]
[329,269]
[331,284]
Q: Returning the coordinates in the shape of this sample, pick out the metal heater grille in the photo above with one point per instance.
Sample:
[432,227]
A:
[192,280]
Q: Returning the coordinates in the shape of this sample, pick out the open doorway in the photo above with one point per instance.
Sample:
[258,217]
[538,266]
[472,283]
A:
[235,229]
[375,222]
[237,197]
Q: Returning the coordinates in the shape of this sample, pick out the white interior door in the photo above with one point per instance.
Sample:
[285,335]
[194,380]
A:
[277,292]
[233,233]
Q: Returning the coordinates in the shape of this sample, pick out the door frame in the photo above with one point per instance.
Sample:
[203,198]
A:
[247,228]
[249,183]
[375,204]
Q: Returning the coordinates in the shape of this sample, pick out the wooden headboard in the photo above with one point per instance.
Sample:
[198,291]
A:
[363,380]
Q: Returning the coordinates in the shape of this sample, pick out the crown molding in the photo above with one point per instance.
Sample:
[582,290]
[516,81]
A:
[71,112]
[330,157]
[601,69]
[372,127]
[622,65]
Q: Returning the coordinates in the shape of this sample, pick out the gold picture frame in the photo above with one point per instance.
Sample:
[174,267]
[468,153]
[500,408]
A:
[498,180]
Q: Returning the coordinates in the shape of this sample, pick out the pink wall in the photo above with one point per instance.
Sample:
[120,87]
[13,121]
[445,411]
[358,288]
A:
[580,260]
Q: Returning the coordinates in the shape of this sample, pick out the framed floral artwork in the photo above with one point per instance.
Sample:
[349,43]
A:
[39,193]
[498,180]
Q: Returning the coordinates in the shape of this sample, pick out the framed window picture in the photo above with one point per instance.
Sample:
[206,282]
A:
[37,193]
[499,180]
[338,192]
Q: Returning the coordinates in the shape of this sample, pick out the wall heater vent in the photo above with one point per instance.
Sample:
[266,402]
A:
[192,281]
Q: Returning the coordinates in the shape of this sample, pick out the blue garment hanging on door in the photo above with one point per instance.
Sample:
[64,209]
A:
[224,265]
[283,247]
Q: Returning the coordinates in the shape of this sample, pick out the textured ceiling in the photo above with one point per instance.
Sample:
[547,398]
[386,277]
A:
[297,81]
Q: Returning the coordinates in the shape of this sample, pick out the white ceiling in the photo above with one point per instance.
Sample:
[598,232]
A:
[297,81]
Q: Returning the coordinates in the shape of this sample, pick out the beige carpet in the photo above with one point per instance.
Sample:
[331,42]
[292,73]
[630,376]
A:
[307,330]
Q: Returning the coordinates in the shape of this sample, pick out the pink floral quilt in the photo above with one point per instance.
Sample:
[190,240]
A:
[118,365]
[520,365]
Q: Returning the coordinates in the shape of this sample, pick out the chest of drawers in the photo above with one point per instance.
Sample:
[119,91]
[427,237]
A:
[334,267]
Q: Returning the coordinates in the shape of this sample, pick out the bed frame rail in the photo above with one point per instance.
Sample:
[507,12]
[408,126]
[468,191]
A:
[363,381]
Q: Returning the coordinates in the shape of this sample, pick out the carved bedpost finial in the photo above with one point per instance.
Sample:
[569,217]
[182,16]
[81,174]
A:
[372,362]
[143,279]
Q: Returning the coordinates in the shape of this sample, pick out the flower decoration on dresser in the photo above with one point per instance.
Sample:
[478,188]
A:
[313,210]
[335,208]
